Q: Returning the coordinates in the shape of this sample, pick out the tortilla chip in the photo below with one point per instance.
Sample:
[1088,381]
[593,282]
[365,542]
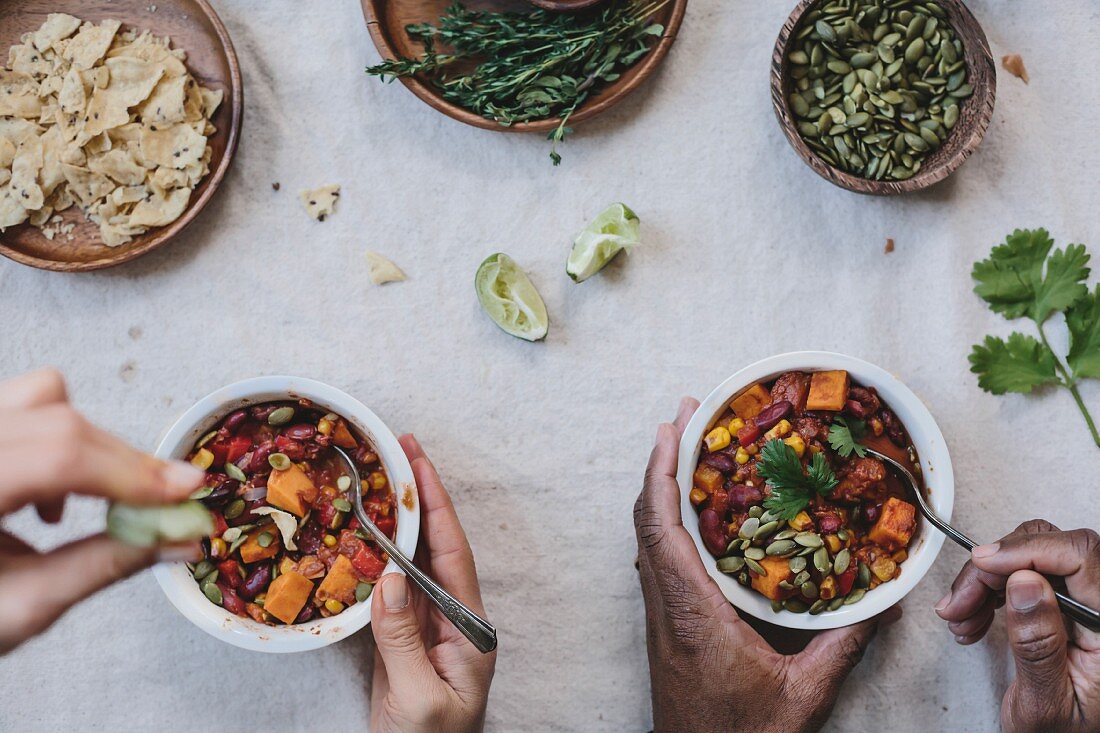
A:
[11,213]
[119,165]
[7,153]
[50,176]
[24,174]
[86,186]
[27,59]
[56,27]
[211,100]
[320,203]
[129,195]
[165,105]
[104,113]
[132,80]
[40,217]
[177,146]
[91,44]
[72,96]
[161,209]
[381,270]
[165,178]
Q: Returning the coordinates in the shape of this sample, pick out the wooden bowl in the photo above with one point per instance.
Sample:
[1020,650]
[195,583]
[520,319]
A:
[194,27]
[564,5]
[974,115]
[387,19]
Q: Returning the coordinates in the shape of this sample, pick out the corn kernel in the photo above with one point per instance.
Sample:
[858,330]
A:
[735,425]
[801,522]
[884,568]
[876,426]
[697,496]
[827,590]
[781,430]
[815,448]
[329,541]
[742,456]
[218,549]
[900,556]
[324,427]
[797,444]
[377,480]
[334,606]
[717,439]
[204,459]
[752,449]
[833,543]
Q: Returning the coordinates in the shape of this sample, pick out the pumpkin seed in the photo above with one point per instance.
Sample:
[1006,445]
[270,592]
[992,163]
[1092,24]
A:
[785,534]
[801,578]
[754,553]
[235,473]
[835,603]
[279,461]
[808,589]
[781,547]
[237,544]
[777,606]
[817,607]
[756,567]
[743,579]
[843,559]
[230,535]
[265,539]
[203,569]
[785,585]
[821,561]
[343,483]
[206,438]
[854,597]
[235,509]
[756,511]
[808,539]
[281,416]
[863,576]
[733,546]
[201,493]
[797,564]
[768,516]
[795,606]
[363,591]
[731,565]
[341,504]
[748,528]
[213,593]
[764,530]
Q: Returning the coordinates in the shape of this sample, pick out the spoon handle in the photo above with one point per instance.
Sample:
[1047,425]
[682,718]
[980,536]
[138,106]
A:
[480,632]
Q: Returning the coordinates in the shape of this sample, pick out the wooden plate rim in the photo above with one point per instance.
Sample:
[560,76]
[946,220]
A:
[981,105]
[588,110]
[213,180]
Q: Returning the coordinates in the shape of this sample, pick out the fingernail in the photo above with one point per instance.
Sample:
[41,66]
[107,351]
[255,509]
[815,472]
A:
[961,640]
[190,552]
[943,602]
[181,478]
[395,593]
[415,445]
[986,550]
[1025,595]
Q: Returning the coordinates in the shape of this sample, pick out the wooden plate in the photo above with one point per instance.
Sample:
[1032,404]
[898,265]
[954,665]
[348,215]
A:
[387,19]
[192,26]
[974,116]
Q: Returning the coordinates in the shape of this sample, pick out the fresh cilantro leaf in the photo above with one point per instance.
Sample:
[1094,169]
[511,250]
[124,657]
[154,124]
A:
[845,434]
[1019,280]
[1019,365]
[792,487]
[1083,322]
[1010,277]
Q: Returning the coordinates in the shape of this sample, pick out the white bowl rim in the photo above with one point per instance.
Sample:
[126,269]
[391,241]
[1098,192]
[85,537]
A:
[176,581]
[927,439]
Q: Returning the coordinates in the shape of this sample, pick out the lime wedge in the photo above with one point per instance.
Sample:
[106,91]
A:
[616,229]
[508,297]
[144,526]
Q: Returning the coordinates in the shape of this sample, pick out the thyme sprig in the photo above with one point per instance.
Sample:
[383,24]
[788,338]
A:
[528,66]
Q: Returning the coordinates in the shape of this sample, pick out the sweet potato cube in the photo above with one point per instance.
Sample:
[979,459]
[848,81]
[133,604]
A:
[749,403]
[252,551]
[708,479]
[342,437]
[286,595]
[339,583]
[768,585]
[895,525]
[291,490]
[828,390]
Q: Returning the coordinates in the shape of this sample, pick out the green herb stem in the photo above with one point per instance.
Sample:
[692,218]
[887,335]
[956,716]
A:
[1071,384]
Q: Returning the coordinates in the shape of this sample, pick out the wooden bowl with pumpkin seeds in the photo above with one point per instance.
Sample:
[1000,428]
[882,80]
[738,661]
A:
[883,97]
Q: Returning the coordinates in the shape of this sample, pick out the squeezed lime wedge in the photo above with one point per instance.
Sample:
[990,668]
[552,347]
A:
[144,526]
[613,231]
[508,297]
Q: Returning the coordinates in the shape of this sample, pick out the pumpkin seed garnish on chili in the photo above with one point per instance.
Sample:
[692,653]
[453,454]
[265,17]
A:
[877,87]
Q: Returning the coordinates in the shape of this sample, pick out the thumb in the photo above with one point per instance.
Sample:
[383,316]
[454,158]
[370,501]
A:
[397,636]
[1038,638]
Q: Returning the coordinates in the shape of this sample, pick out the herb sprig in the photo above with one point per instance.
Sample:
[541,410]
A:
[792,487]
[1023,277]
[845,434]
[532,65]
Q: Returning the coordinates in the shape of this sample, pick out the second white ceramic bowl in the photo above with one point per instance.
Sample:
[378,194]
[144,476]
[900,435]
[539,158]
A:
[175,579]
[926,437]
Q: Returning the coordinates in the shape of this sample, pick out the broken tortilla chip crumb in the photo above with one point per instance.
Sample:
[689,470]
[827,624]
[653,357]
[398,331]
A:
[1014,64]
[382,271]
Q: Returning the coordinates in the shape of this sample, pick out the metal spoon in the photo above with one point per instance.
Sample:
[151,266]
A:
[480,632]
[1079,612]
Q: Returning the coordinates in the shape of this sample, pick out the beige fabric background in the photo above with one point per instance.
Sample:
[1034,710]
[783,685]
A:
[747,253]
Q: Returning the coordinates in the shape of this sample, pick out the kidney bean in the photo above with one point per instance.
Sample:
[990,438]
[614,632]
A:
[234,421]
[256,581]
[713,532]
[772,414]
[228,573]
[828,523]
[721,461]
[894,430]
[871,512]
[862,402]
[221,494]
[720,502]
[365,456]
[305,614]
[322,440]
[293,449]
[259,457]
[302,431]
[230,600]
[742,497]
[262,412]
[247,517]
[309,538]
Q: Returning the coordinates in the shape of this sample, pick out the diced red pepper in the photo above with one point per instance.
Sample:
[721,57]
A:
[720,502]
[846,580]
[228,572]
[748,434]
[387,524]
[367,564]
[325,511]
[238,446]
[220,525]
[220,449]
[353,524]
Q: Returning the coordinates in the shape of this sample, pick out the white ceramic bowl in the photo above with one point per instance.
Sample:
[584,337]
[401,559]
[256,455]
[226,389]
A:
[176,580]
[926,437]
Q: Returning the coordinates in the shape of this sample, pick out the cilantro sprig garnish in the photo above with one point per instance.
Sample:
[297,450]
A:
[1023,277]
[792,487]
[845,434]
